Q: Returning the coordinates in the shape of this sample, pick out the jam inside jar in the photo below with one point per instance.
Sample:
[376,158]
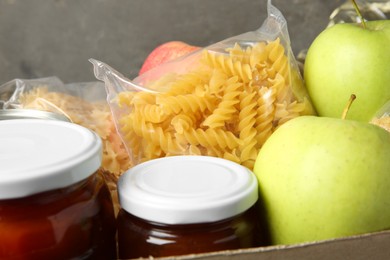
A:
[54,201]
[76,222]
[182,205]
[141,238]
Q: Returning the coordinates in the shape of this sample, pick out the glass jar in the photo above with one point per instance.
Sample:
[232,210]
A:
[54,203]
[18,113]
[187,204]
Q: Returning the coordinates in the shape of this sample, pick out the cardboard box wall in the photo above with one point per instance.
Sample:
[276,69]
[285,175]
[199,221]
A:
[367,247]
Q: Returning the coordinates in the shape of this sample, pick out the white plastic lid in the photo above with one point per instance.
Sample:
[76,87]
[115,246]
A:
[187,189]
[40,155]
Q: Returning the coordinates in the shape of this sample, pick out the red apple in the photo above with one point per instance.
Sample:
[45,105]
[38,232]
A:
[166,52]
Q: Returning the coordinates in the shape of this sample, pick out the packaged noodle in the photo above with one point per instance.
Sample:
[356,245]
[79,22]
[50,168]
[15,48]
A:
[82,103]
[382,117]
[224,100]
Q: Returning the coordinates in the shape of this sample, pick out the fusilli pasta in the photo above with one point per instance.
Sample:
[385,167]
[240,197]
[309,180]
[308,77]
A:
[226,107]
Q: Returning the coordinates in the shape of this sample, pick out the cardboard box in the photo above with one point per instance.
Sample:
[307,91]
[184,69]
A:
[368,246]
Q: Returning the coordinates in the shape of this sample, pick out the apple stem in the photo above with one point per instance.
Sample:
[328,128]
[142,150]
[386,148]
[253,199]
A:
[346,109]
[359,13]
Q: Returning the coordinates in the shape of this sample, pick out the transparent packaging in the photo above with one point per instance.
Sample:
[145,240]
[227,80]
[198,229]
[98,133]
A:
[370,9]
[382,117]
[223,100]
[82,103]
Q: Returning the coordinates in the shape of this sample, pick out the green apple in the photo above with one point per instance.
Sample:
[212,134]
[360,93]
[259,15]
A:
[323,178]
[345,59]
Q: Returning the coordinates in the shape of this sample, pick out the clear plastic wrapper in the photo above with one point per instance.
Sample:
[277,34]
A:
[370,9]
[382,117]
[224,100]
[82,103]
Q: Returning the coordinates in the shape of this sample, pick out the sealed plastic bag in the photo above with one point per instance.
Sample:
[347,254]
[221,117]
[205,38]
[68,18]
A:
[83,103]
[224,100]
[382,117]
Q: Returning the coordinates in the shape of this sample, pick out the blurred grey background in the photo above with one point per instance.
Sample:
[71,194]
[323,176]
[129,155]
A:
[42,38]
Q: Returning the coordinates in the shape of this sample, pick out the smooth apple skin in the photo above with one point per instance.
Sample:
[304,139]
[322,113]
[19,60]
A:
[324,178]
[166,52]
[346,59]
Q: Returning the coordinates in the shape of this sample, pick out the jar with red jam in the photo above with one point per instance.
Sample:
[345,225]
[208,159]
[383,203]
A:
[54,203]
[187,204]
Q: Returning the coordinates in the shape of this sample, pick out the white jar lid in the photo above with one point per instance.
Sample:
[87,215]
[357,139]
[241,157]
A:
[40,155]
[187,189]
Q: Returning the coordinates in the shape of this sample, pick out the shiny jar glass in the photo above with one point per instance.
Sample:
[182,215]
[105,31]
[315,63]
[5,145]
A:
[54,203]
[187,204]
[20,113]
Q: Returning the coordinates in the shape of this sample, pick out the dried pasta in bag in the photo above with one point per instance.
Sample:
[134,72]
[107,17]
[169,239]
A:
[224,100]
[83,103]
[382,117]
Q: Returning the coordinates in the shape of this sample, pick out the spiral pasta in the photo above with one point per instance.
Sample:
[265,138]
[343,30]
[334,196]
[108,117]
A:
[93,115]
[210,138]
[184,103]
[228,65]
[226,107]
[265,122]
[246,128]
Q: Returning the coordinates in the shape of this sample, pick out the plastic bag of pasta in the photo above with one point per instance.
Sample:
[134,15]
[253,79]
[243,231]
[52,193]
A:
[382,117]
[224,100]
[82,103]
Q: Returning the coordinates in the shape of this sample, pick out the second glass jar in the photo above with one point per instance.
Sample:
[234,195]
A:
[185,205]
